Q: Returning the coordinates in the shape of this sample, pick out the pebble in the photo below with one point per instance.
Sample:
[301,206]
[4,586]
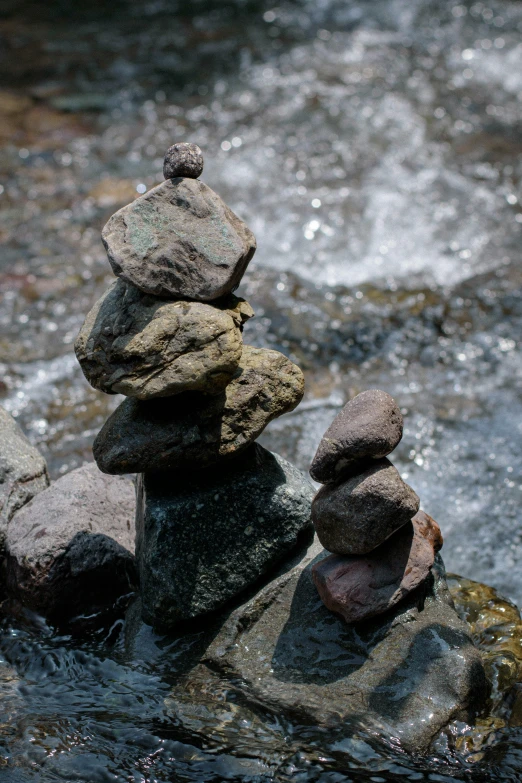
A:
[183,160]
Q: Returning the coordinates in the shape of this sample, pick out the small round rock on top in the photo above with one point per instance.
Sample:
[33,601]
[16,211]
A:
[183,160]
[368,427]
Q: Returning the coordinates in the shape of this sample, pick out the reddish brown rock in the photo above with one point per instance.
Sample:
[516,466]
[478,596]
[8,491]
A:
[359,587]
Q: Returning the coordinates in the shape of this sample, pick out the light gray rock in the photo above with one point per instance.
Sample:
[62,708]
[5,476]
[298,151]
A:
[70,550]
[23,471]
[180,241]
[204,537]
[135,344]
[360,513]
[192,431]
[404,676]
[368,427]
[183,160]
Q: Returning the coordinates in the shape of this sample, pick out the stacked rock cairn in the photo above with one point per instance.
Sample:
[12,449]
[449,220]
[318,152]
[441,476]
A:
[216,511]
[383,548]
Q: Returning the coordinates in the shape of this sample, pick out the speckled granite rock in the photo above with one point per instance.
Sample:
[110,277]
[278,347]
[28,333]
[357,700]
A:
[179,240]
[23,471]
[368,427]
[360,513]
[405,675]
[360,586]
[70,549]
[134,344]
[203,537]
[183,160]
[193,431]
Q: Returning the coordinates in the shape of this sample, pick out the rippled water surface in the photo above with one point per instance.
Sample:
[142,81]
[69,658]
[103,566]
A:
[375,150]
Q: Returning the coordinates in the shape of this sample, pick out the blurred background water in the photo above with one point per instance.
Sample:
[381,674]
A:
[375,149]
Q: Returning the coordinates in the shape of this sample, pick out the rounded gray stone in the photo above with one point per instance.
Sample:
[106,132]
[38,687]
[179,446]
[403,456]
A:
[368,427]
[183,159]
[204,537]
[360,513]
[134,344]
[179,241]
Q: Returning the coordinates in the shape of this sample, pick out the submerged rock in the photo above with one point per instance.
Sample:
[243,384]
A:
[360,586]
[179,240]
[193,431]
[70,550]
[23,471]
[368,427]
[203,538]
[406,675]
[360,513]
[134,344]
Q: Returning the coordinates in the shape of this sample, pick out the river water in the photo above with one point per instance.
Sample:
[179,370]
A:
[375,149]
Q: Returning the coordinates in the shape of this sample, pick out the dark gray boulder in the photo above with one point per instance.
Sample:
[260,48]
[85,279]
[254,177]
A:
[23,471]
[405,675]
[202,538]
[180,241]
[368,427]
[70,550]
[193,430]
[358,514]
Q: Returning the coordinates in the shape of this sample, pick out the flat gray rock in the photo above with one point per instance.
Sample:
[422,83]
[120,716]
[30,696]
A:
[368,427]
[202,538]
[363,510]
[404,676]
[71,549]
[179,240]
[192,430]
[23,471]
[135,344]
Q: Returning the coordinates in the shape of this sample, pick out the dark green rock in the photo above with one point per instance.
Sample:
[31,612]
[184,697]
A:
[203,538]
[405,675]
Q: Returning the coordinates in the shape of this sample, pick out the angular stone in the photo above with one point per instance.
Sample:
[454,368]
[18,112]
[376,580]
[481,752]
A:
[194,430]
[361,586]
[405,675]
[368,427]
[23,471]
[179,240]
[70,550]
[202,538]
[360,513]
[134,344]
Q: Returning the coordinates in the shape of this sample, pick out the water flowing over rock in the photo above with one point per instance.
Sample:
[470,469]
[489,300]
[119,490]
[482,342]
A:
[368,427]
[194,431]
[360,513]
[23,471]
[361,586]
[404,676]
[70,549]
[203,537]
[144,347]
[179,240]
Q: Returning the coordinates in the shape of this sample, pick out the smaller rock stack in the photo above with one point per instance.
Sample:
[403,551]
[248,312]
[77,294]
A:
[215,509]
[366,515]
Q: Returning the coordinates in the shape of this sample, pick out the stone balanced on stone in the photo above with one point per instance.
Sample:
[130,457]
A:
[216,511]
[366,515]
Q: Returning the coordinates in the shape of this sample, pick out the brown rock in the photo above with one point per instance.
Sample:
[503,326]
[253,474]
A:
[135,344]
[358,514]
[359,587]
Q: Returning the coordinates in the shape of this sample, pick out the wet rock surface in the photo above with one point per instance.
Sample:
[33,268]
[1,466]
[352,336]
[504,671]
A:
[144,347]
[368,427]
[194,431]
[71,549]
[23,471]
[359,513]
[202,538]
[405,676]
[179,240]
[359,587]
